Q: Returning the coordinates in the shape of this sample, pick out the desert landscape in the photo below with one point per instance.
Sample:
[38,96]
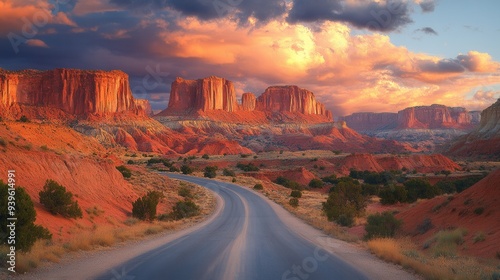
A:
[254,154]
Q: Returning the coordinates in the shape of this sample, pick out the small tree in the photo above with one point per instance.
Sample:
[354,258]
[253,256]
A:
[24,119]
[205,156]
[144,208]
[258,187]
[382,225]
[26,231]
[346,201]
[228,172]
[210,171]
[316,184]
[57,200]
[186,169]
[393,194]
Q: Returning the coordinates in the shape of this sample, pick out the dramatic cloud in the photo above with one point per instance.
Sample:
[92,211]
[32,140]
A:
[427,30]
[372,15]
[36,43]
[427,6]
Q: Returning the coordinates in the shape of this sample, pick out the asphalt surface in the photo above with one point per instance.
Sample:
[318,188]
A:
[247,240]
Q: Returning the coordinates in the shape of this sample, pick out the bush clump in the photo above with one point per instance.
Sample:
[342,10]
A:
[186,169]
[382,225]
[247,167]
[23,119]
[316,184]
[205,156]
[296,194]
[294,202]
[210,171]
[124,171]
[258,187]
[344,202]
[144,208]
[185,209]
[287,183]
[26,231]
[57,200]
[228,172]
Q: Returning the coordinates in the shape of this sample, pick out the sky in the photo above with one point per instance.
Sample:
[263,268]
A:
[355,55]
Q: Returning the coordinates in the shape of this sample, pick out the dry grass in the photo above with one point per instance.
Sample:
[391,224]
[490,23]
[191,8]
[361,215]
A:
[403,252]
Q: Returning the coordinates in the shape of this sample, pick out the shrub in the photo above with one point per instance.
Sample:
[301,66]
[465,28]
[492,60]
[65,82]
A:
[173,169]
[57,200]
[425,226]
[382,225]
[26,231]
[332,179]
[3,143]
[130,161]
[418,188]
[294,202]
[258,187]
[287,183]
[337,152]
[185,209]
[296,194]
[244,155]
[393,194]
[316,184]
[124,171]
[247,167]
[234,180]
[479,210]
[228,172]
[346,199]
[447,241]
[185,192]
[345,220]
[23,119]
[210,171]
[186,169]
[144,208]
[205,156]
[369,190]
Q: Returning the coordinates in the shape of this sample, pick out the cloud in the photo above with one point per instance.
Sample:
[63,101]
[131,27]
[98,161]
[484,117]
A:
[427,6]
[36,43]
[478,62]
[427,30]
[376,16]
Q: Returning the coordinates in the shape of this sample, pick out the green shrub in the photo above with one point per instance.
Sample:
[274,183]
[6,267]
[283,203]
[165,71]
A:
[144,208]
[287,183]
[369,190]
[316,184]
[447,241]
[345,220]
[210,171]
[258,187]
[294,202]
[247,167]
[393,194]
[244,155]
[382,225]
[478,211]
[346,199]
[24,119]
[296,194]
[26,231]
[418,188]
[124,171]
[234,180]
[205,156]
[228,172]
[185,192]
[173,169]
[185,209]
[186,169]
[130,161]
[57,200]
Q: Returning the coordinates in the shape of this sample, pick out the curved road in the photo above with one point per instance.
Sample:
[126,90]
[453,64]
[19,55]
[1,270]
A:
[246,240]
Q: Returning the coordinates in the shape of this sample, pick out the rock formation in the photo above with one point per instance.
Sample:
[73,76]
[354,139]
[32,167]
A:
[143,104]
[213,97]
[434,116]
[76,92]
[367,121]
[485,139]
[291,99]
[212,93]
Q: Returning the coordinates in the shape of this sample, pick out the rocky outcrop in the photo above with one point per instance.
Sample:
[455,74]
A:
[485,139]
[367,121]
[76,92]
[291,99]
[214,97]
[212,93]
[434,116]
[475,117]
[248,101]
[143,104]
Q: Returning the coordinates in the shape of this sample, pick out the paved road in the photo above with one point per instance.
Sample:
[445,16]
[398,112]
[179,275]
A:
[247,240]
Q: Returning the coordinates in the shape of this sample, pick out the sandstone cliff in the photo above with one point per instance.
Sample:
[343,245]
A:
[485,139]
[212,93]
[144,105]
[434,116]
[214,97]
[76,92]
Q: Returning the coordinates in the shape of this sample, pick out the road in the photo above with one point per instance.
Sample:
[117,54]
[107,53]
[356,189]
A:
[246,240]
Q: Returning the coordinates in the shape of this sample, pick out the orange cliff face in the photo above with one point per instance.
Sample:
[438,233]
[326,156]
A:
[434,116]
[215,98]
[76,92]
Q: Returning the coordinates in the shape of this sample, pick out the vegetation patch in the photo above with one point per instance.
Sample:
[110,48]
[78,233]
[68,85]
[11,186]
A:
[58,201]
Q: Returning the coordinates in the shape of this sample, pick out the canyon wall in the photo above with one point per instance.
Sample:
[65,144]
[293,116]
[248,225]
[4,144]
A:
[77,92]
[434,116]
[367,121]
[205,96]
